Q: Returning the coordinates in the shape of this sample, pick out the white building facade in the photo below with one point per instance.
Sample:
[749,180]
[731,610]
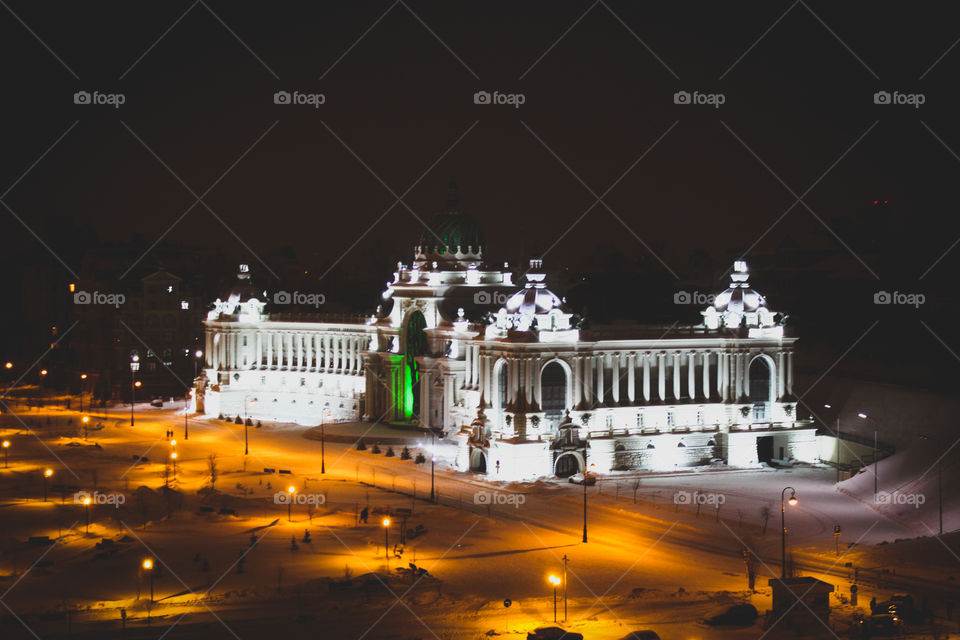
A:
[505,371]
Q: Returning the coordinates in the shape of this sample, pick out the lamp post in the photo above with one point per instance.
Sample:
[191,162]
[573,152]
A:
[83,378]
[6,454]
[555,581]
[939,479]
[386,538]
[134,367]
[186,425]
[584,490]
[86,508]
[86,421]
[148,567]
[290,491]
[783,528]
[876,454]
[196,359]
[173,456]
[46,474]
[564,587]
[323,454]
[433,457]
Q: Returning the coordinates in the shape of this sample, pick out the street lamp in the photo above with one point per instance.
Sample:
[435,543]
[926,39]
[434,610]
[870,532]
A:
[386,537]
[148,567]
[85,420]
[876,456]
[86,508]
[173,456]
[585,490]
[196,359]
[555,581]
[6,450]
[783,528]
[134,367]
[290,490]
[46,474]
[83,378]
[323,453]
[433,458]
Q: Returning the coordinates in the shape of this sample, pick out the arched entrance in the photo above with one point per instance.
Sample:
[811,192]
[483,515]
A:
[415,344]
[553,393]
[761,387]
[567,464]
[478,461]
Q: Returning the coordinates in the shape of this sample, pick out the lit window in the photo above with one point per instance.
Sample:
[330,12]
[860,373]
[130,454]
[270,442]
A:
[184,305]
[73,287]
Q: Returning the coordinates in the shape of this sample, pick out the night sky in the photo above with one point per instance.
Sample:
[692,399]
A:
[798,82]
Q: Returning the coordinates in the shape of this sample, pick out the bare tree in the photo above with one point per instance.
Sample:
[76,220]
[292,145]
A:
[765,514]
[636,487]
[212,469]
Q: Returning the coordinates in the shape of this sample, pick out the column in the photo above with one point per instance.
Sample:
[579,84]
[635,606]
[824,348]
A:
[738,377]
[781,377]
[692,376]
[632,378]
[615,379]
[537,383]
[661,376]
[646,376]
[706,375]
[577,387]
[600,367]
[676,375]
[467,367]
[790,373]
[588,381]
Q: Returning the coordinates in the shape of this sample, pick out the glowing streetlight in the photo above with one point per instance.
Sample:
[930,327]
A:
[86,508]
[83,378]
[9,365]
[46,474]
[173,456]
[290,491]
[134,367]
[85,420]
[783,528]
[6,449]
[148,567]
[386,537]
[555,581]
[43,372]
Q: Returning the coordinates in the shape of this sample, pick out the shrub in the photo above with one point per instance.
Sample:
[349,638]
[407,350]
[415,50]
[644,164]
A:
[361,445]
[376,448]
[248,422]
[238,420]
[405,454]
[420,459]
[390,452]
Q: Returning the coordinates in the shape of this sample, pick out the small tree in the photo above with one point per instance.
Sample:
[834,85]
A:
[765,514]
[361,445]
[238,420]
[420,458]
[212,469]
[405,453]
[376,448]
[390,452]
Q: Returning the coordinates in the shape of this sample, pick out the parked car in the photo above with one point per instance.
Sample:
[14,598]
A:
[553,633]
[156,402]
[641,635]
[578,478]
[881,625]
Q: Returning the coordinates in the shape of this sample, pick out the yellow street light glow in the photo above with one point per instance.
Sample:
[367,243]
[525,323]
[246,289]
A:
[148,564]
[87,500]
[554,580]
[173,454]
[173,443]
[6,444]
[43,372]
[9,365]
[137,383]
[86,418]
[48,472]
[793,500]
[83,376]
[291,489]
[386,522]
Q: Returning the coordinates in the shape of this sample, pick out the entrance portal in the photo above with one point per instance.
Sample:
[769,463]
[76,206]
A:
[567,465]
[765,448]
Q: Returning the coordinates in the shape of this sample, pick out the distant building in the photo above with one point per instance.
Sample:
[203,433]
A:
[507,371]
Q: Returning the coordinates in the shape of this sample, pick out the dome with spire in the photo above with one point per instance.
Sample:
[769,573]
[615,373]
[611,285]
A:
[535,308]
[738,304]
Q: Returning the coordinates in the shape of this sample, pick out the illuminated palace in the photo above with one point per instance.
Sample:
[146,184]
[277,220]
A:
[504,370]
